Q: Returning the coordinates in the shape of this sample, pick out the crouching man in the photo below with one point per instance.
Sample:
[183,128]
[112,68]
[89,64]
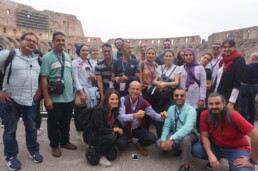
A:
[223,136]
[181,120]
[131,115]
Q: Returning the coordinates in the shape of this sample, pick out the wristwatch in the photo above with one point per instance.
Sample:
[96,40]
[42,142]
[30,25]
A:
[252,161]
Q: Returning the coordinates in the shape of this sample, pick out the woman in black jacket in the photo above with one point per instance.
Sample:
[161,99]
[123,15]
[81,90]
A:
[105,123]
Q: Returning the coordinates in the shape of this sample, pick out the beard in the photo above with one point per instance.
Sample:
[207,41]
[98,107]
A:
[218,115]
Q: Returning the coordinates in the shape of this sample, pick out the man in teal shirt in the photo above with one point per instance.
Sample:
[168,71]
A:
[181,120]
[59,106]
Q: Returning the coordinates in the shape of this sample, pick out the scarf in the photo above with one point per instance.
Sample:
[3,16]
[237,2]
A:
[129,110]
[190,66]
[229,59]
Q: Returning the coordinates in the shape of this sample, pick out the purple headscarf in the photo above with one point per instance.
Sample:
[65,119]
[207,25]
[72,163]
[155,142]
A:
[190,66]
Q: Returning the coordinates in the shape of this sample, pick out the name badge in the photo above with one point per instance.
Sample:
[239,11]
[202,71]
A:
[132,66]
[111,85]
[122,86]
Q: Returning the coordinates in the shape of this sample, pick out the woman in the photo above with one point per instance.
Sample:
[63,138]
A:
[168,79]
[230,73]
[179,60]
[94,53]
[82,75]
[148,71]
[193,80]
[105,124]
[205,60]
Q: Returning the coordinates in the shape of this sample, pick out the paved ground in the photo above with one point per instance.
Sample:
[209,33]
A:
[75,160]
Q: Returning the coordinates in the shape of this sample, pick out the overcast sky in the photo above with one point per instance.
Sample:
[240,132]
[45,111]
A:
[154,18]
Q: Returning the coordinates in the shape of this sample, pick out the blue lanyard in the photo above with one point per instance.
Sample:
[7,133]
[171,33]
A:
[152,72]
[212,66]
[61,61]
[89,63]
[124,66]
[177,113]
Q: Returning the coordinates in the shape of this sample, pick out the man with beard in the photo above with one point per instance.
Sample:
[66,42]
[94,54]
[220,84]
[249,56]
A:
[119,44]
[181,120]
[223,136]
[143,48]
[125,70]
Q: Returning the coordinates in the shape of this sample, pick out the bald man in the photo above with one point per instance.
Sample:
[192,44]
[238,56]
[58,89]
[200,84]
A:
[131,115]
[249,89]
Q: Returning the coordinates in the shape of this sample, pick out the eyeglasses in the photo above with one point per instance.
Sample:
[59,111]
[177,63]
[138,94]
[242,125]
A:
[177,95]
[215,47]
[29,40]
[106,51]
[166,44]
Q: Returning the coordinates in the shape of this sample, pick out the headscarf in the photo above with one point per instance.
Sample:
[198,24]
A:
[190,67]
[228,60]
[147,62]
[78,48]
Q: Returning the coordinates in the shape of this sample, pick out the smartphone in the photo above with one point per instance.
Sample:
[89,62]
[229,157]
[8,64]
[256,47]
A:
[134,157]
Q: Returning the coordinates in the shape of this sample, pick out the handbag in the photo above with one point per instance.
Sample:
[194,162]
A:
[77,100]
[57,87]
[92,156]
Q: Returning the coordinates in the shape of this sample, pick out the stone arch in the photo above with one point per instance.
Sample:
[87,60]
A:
[43,47]
[14,42]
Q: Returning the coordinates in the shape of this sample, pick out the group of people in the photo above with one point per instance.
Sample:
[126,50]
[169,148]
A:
[129,94]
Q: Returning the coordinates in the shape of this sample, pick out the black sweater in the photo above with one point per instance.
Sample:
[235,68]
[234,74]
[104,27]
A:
[232,78]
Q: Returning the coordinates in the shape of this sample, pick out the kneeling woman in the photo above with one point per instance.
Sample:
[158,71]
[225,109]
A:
[105,123]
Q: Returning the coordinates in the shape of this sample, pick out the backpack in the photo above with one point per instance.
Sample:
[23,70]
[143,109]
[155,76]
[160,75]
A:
[85,124]
[9,60]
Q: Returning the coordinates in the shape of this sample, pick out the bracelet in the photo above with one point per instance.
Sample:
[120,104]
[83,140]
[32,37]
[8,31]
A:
[252,161]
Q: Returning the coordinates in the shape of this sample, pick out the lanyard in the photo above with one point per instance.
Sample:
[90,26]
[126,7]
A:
[63,59]
[124,66]
[89,63]
[152,72]
[212,66]
[177,113]
[133,106]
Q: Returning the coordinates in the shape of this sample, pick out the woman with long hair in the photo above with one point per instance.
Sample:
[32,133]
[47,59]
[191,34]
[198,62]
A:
[230,73]
[106,126]
[193,80]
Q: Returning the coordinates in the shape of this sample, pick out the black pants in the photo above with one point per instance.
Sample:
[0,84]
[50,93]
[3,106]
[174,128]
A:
[58,123]
[77,111]
[38,115]
[107,146]
[145,137]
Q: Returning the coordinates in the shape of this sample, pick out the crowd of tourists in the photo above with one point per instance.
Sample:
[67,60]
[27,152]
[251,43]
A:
[201,108]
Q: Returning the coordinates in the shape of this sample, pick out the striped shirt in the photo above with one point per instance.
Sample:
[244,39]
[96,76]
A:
[104,70]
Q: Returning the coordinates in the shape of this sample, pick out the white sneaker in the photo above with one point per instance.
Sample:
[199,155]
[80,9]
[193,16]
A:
[224,164]
[39,131]
[104,161]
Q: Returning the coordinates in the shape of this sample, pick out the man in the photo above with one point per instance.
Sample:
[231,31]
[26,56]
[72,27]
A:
[125,70]
[249,89]
[59,106]
[20,90]
[214,63]
[119,44]
[131,115]
[143,48]
[223,136]
[131,51]
[181,120]
[103,70]
[166,45]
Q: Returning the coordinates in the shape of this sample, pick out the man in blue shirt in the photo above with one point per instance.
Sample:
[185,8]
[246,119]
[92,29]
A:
[125,70]
[181,120]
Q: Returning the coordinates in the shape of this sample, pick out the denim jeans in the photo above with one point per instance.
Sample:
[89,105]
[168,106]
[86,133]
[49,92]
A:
[230,154]
[12,111]
[247,102]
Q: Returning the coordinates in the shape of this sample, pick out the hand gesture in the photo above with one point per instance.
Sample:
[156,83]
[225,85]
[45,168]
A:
[4,97]
[139,114]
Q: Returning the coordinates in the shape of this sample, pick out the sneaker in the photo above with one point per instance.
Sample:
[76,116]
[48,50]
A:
[69,146]
[184,168]
[13,163]
[141,149]
[39,131]
[37,158]
[104,161]
[209,167]
[224,165]
[2,124]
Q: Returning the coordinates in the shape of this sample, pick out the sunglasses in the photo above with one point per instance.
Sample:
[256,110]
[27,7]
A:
[215,47]
[177,95]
